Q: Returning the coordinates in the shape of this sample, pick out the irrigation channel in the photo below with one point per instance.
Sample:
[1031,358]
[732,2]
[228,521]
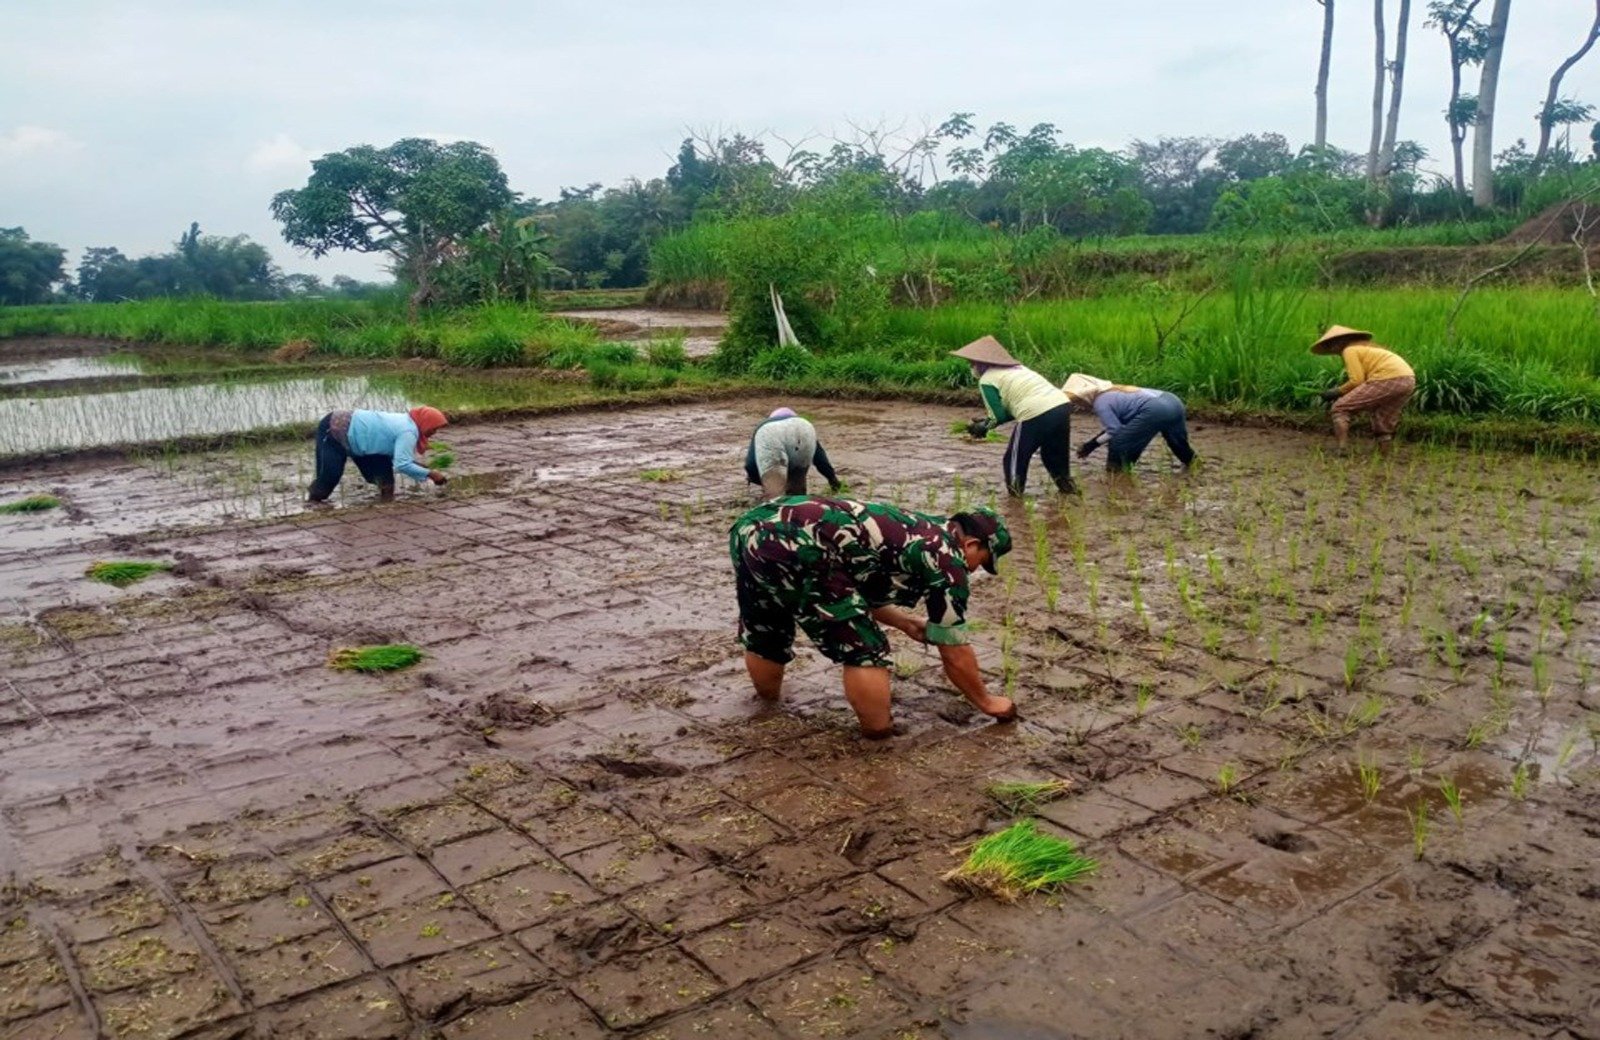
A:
[1327,725]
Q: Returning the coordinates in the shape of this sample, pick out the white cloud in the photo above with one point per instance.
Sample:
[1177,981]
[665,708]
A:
[35,142]
[281,153]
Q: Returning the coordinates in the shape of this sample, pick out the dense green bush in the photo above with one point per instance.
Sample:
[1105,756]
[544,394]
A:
[782,363]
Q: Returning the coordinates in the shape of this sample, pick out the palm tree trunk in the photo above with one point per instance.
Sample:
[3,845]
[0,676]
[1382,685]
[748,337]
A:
[1379,74]
[1322,74]
[1483,133]
[1545,125]
[1397,83]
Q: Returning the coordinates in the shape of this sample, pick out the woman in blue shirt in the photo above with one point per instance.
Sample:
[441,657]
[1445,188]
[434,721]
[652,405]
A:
[1131,417]
[381,443]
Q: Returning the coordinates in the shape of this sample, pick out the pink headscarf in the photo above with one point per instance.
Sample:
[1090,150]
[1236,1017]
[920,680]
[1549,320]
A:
[783,413]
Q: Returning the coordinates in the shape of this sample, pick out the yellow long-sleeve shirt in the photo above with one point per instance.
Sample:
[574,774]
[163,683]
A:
[1366,362]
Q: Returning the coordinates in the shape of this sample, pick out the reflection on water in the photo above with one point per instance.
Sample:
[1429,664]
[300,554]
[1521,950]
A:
[42,370]
[87,420]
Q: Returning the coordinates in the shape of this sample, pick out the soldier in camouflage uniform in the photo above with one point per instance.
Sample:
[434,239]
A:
[840,569]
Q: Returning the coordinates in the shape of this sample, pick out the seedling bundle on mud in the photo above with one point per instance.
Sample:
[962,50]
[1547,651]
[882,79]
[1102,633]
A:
[386,658]
[31,504]
[1020,860]
[123,573]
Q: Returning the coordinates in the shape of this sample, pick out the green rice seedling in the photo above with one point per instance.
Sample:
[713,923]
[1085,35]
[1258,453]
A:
[1352,664]
[665,509]
[1520,780]
[31,504]
[385,658]
[1371,779]
[1315,626]
[1478,622]
[123,573]
[1019,860]
[1365,713]
[1227,778]
[1569,746]
[1141,699]
[1192,736]
[1024,796]
[1541,676]
[1419,828]
[1452,796]
[660,476]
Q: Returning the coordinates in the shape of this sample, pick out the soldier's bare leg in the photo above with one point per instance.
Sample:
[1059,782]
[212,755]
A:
[867,690]
[766,676]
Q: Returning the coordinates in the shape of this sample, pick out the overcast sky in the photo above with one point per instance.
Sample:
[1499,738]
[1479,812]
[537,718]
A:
[120,122]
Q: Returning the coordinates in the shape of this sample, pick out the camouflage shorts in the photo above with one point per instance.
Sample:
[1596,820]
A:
[774,598]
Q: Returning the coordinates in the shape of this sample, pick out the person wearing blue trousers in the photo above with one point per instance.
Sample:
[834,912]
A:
[1132,417]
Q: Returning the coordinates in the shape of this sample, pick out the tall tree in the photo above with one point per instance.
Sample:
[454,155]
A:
[1397,78]
[1380,74]
[1488,84]
[1465,37]
[1549,110]
[28,269]
[416,201]
[1322,74]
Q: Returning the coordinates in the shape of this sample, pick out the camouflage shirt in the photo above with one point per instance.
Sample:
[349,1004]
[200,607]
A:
[818,550]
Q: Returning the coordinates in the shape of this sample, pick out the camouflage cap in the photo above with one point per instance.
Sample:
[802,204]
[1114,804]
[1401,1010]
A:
[985,524]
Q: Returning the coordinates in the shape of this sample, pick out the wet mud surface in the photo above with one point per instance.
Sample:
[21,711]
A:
[572,820]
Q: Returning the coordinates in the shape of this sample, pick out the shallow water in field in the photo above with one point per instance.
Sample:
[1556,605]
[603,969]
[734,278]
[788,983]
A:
[91,420]
[48,370]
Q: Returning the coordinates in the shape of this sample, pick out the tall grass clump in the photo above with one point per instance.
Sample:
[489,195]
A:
[1018,860]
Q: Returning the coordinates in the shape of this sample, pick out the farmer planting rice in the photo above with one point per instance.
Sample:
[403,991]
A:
[1012,391]
[782,451]
[381,443]
[841,569]
[1130,417]
[1380,382]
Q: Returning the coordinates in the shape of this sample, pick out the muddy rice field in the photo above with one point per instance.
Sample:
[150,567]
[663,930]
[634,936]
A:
[1330,726]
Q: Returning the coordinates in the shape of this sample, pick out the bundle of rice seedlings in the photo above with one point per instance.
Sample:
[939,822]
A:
[442,456]
[1019,860]
[31,504]
[123,573]
[1022,796]
[386,658]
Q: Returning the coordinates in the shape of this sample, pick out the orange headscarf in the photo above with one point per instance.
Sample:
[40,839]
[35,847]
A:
[427,419]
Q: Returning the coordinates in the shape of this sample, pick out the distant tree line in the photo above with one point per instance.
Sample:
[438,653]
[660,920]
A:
[225,267]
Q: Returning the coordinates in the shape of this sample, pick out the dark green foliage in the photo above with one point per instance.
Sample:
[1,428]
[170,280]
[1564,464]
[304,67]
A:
[484,348]
[28,270]
[666,353]
[782,364]
[227,268]
[31,504]
[605,375]
[386,658]
[123,573]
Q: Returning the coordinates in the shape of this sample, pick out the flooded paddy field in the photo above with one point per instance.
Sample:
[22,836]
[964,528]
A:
[1330,726]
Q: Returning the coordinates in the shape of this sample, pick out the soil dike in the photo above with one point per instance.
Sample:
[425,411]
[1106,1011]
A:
[1268,683]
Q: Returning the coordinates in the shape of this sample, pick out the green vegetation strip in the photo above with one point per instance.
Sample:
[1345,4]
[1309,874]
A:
[1019,860]
[31,504]
[123,573]
[387,658]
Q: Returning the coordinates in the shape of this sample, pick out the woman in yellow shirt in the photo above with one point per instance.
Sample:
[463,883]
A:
[1380,382]
[1012,391]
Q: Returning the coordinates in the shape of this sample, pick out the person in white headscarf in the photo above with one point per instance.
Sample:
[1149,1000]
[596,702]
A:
[1131,416]
[782,451]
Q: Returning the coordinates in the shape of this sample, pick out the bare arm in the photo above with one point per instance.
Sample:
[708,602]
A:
[894,617]
[961,668]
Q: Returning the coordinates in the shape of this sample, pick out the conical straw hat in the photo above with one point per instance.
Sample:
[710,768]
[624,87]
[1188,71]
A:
[987,351]
[1336,337]
[1085,388]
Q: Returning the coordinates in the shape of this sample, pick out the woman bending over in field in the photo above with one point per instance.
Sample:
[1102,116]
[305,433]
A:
[381,443]
[1012,391]
[1380,382]
[1131,416]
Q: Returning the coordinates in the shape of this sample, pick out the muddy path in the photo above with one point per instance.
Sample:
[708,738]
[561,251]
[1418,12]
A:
[571,820]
